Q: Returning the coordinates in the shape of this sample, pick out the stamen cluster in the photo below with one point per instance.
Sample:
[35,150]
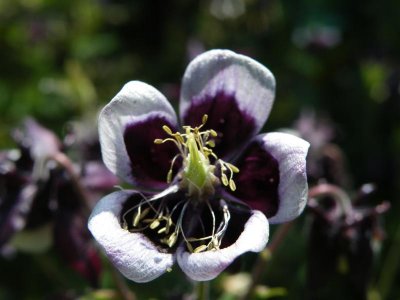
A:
[167,223]
[198,179]
[195,147]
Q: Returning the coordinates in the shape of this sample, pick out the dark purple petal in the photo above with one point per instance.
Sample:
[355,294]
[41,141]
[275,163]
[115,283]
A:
[338,234]
[258,180]
[13,212]
[234,126]
[150,162]
[323,253]
[73,243]
[272,176]
[231,88]
[72,239]
[13,198]
[42,207]
[131,122]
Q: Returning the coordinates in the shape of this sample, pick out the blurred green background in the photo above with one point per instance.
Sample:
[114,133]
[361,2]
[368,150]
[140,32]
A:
[62,60]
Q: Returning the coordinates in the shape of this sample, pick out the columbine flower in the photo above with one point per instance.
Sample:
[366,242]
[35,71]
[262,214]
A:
[204,192]
[345,235]
[39,201]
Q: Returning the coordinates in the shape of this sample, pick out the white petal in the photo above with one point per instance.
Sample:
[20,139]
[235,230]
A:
[136,102]
[132,253]
[207,265]
[290,152]
[222,70]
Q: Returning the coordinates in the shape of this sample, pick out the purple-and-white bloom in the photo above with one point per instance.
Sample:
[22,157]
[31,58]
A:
[205,192]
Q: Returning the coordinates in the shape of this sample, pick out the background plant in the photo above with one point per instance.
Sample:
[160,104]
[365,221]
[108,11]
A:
[62,60]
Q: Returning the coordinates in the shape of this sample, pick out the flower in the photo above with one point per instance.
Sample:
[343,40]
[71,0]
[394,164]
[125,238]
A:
[40,204]
[345,236]
[203,195]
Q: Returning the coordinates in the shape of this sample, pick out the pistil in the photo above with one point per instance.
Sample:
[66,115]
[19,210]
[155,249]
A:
[198,175]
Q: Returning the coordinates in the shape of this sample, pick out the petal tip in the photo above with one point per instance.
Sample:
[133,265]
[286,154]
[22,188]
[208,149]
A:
[290,152]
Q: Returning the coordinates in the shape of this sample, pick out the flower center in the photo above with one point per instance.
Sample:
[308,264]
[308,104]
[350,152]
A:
[162,217]
[200,163]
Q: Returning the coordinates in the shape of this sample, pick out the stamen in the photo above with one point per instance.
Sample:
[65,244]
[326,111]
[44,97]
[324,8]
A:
[232,169]
[210,143]
[162,230]
[204,120]
[213,133]
[167,130]
[232,185]
[195,148]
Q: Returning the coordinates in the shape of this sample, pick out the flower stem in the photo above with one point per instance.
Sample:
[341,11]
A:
[203,290]
[63,161]
[264,257]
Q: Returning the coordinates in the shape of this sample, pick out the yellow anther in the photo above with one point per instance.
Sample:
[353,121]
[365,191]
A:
[169,221]
[214,243]
[232,185]
[210,143]
[162,230]
[154,224]
[167,130]
[233,168]
[200,248]
[158,141]
[172,239]
[224,179]
[204,119]
[213,133]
